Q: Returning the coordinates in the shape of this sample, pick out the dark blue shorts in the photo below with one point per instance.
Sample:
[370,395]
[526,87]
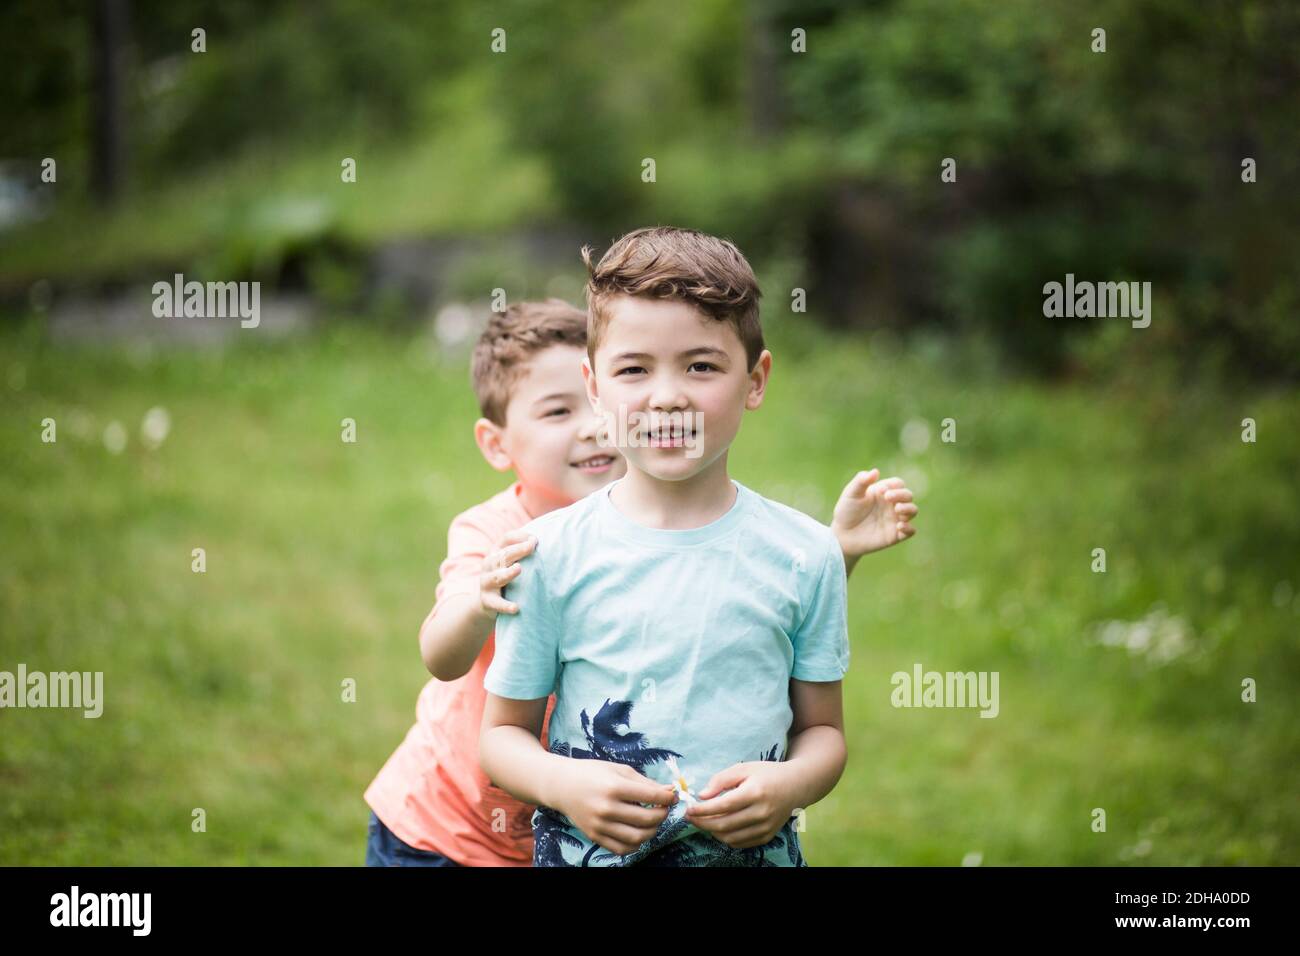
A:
[384,848]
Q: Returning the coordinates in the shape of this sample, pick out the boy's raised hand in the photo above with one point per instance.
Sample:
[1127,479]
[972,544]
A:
[872,514]
[501,567]
[603,799]
[756,804]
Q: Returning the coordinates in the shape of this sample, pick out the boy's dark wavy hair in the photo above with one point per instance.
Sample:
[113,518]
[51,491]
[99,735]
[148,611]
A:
[510,340]
[666,262]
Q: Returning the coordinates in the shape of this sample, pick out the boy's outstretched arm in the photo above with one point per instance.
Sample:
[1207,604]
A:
[761,795]
[454,632]
[871,515]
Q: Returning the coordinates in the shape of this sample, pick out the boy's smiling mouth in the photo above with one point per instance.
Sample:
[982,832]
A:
[669,437]
[594,464]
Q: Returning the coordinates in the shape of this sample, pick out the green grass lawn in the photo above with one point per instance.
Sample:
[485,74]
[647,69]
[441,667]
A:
[223,689]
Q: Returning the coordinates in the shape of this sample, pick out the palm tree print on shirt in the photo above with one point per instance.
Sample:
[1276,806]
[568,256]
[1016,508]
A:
[606,743]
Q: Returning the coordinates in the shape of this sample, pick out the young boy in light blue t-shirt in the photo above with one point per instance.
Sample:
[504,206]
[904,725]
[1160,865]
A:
[687,625]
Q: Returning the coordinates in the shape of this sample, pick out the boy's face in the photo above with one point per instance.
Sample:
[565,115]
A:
[549,437]
[663,362]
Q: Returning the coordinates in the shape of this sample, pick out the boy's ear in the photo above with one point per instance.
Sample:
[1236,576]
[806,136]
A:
[589,379]
[488,436]
[758,380]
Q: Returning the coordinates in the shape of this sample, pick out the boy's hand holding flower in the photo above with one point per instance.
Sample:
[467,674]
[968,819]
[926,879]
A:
[611,803]
[759,800]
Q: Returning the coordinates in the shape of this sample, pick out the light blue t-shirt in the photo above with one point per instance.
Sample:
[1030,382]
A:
[671,647]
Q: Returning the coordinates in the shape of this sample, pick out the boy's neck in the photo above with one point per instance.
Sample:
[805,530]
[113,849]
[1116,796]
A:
[534,504]
[675,505]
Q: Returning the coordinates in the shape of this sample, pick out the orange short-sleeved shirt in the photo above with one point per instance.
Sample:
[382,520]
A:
[431,792]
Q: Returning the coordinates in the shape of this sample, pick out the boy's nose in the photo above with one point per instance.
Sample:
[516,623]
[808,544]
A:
[668,395]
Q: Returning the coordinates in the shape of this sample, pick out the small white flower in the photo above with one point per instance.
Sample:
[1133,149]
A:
[681,784]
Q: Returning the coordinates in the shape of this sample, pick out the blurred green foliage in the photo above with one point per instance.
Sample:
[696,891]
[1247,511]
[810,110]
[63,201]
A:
[1115,165]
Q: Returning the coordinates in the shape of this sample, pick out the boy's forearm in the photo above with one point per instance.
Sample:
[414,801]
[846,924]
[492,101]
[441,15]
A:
[517,762]
[452,639]
[820,754]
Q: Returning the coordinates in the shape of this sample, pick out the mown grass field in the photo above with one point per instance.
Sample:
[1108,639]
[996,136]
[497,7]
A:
[223,689]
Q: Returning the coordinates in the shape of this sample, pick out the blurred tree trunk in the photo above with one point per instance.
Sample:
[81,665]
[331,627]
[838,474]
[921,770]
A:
[108,38]
[763,89]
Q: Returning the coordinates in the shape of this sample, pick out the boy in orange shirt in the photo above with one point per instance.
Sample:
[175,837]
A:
[431,804]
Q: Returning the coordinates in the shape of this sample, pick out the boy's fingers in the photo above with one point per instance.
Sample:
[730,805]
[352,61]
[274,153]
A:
[516,551]
[749,836]
[508,550]
[635,815]
[729,823]
[499,604]
[503,575]
[488,586]
[653,793]
[857,487]
[863,478]
[726,779]
[729,802]
[906,509]
[643,790]
[492,592]
[617,847]
[626,838]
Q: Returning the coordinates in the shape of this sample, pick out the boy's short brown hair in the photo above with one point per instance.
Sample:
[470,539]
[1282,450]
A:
[665,262]
[511,339]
